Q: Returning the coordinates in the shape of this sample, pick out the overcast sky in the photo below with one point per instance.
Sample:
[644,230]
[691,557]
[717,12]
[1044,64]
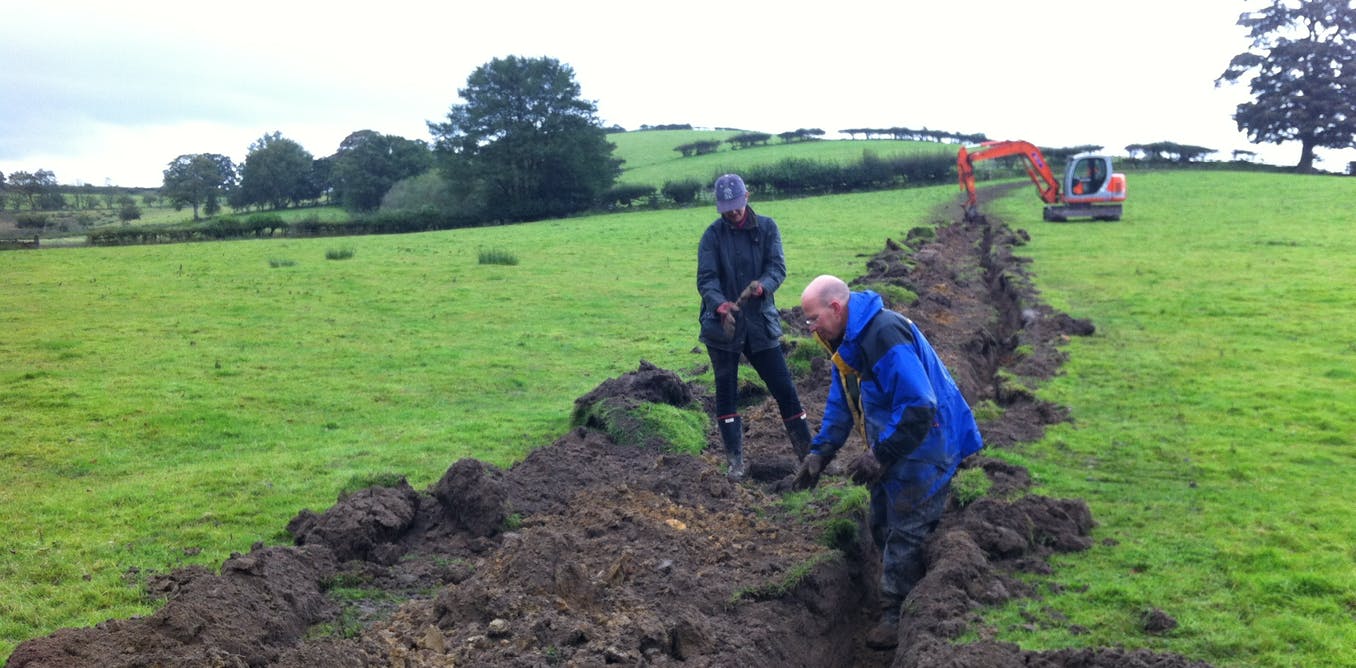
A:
[111,92]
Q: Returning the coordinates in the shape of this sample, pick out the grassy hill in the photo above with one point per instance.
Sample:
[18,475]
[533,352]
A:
[650,159]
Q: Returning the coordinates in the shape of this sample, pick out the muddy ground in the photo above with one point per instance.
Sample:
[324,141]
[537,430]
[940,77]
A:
[591,552]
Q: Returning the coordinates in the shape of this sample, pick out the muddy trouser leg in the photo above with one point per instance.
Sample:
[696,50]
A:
[900,536]
[725,366]
[771,367]
[798,430]
[900,533]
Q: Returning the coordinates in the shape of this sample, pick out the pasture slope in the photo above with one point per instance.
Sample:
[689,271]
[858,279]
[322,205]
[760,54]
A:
[592,552]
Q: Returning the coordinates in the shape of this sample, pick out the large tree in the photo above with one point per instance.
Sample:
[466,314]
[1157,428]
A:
[368,163]
[1304,57]
[37,187]
[276,173]
[199,179]
[524,145]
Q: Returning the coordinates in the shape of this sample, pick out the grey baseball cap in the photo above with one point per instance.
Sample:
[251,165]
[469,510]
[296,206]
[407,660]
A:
[731,195]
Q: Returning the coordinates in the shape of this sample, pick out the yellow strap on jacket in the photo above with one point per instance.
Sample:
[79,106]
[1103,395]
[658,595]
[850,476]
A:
[852,390]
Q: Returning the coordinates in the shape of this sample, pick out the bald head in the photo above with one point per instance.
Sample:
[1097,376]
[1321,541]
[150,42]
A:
[825,289]
[825,305]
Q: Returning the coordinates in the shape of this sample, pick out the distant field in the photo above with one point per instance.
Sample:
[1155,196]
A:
[646,148]
[651,160]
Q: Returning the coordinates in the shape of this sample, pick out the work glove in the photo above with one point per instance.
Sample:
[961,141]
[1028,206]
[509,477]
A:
[865,469]
[807,476]
[754,290]
[727,311]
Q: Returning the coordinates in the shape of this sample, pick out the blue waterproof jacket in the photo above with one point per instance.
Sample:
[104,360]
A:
[888,380]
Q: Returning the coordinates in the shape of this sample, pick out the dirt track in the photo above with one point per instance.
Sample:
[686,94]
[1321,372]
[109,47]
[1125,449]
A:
[627,555]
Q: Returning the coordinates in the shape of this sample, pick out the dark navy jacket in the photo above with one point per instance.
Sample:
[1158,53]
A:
[728,259]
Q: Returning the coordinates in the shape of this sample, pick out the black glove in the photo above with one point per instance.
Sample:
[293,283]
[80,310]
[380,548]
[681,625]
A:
[807,476]
[865,469]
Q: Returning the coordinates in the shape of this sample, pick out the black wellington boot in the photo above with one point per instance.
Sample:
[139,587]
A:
[798,428]
[732,433]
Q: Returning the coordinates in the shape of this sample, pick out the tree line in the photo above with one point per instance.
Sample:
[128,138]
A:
[786,178]
[923,134]
[747,140]
[523,145]
[272,225]
[32,194]
[278,173]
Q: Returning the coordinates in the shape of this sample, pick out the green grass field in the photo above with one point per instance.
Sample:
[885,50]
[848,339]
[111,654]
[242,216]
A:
[1212,432]
[167,405]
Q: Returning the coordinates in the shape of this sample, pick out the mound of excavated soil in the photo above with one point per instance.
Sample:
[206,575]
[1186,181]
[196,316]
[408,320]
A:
[591,552]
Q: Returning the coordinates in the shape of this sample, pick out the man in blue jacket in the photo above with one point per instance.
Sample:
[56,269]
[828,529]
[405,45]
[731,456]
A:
[890,384]
[739,266]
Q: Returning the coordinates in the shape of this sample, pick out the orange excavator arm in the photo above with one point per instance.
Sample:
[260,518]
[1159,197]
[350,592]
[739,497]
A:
[1037,169]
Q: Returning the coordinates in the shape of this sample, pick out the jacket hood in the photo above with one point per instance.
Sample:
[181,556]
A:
[862,307]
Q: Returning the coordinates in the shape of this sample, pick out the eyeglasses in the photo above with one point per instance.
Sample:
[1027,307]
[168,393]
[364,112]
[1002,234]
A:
[830,306]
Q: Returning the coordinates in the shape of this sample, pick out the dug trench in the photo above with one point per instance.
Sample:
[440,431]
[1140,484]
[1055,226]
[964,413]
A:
[598,550]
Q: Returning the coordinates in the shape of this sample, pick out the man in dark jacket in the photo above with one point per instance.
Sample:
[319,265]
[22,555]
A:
[739,267]
[890,384]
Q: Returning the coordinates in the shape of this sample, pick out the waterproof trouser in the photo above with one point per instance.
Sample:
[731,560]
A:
[771,367]
[900,534]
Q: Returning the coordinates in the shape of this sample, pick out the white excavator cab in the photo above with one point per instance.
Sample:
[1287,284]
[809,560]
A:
[1090,189]
[1088,179]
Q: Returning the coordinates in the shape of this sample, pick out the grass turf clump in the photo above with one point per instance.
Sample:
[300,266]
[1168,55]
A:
[678,430]
[840,534]
[496,256]
[803,353]
[361,481]
[784,585]
[897,297]
[970,485]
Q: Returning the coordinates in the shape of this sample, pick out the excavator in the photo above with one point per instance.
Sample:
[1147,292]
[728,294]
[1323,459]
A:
[1090,189]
